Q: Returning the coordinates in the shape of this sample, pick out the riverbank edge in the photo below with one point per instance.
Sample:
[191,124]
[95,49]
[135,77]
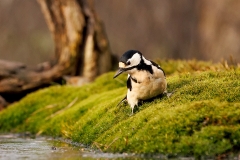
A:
[201,115]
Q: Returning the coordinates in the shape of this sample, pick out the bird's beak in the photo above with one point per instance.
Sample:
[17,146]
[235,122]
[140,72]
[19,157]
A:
[120,70]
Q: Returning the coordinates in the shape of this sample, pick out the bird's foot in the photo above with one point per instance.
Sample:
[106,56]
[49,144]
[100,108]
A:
[132,109]
[168,94]
[130,115]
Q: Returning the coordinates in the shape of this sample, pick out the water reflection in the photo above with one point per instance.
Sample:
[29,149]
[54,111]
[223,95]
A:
[15,147]
[41,148]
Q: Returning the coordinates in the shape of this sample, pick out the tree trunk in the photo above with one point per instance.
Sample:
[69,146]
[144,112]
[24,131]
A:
[81,49]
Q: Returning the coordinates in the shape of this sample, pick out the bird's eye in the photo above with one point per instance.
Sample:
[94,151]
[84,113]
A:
[128,63]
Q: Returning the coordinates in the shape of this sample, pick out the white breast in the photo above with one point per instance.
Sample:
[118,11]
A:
[148,85]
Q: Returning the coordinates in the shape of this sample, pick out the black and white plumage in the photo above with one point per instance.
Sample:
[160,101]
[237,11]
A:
[145,79]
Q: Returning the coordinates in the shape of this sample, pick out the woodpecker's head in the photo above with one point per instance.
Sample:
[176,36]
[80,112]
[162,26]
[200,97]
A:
[129,61]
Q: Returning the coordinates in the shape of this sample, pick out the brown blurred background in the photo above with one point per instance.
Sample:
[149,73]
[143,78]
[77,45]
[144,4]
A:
[183,29]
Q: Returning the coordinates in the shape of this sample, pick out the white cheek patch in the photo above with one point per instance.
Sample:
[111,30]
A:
[121,65]
[135,60]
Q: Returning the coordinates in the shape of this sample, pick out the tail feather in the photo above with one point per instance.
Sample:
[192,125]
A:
[123,100]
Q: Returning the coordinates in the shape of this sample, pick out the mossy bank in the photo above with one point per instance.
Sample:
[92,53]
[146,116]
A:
[201,117]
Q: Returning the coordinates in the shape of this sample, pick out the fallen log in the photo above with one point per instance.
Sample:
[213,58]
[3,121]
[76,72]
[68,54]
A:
[16,80]
[81,49]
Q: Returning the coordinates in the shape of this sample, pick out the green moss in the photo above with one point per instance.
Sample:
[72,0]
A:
[40,106]
[201,117]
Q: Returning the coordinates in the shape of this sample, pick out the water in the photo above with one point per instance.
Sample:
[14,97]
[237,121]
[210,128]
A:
[41,148]
[19,147]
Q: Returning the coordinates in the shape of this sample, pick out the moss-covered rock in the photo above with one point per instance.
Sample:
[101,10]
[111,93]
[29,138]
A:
[201,117]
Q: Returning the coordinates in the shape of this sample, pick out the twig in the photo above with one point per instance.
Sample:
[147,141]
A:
[68,106]
[105,146]
[97,145]
[111,143]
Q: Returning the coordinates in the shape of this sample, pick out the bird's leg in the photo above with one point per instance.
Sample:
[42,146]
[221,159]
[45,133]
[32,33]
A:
[132,107]
[132,110]
[168,94]
[132,101]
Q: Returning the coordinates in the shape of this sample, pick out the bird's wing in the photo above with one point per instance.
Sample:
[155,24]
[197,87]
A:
[156,65]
